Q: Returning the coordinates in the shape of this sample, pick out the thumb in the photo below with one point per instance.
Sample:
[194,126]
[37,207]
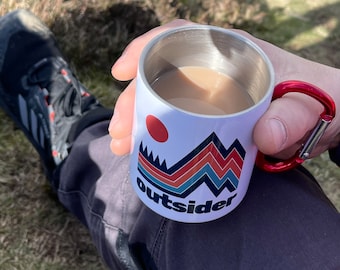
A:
[282,129]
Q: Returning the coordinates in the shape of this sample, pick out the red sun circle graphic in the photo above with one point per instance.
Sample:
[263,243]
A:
[156,128]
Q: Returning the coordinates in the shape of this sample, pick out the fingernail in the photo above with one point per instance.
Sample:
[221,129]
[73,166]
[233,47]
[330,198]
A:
[279,133]
[121,58]
[117,63]
[114,120]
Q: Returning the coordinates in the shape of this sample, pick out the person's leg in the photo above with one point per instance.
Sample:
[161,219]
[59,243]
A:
[94,185]
[38,89]
[284,222]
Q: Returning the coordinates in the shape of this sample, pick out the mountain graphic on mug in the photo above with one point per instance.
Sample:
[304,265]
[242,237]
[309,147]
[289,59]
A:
[210,163]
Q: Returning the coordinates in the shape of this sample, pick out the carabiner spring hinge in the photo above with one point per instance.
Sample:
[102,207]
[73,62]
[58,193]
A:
[314,138]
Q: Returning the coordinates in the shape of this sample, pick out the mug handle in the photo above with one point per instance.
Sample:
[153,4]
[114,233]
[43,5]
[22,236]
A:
[326,118]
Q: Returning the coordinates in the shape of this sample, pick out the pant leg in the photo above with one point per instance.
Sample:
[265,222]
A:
[284,222]
[93,184]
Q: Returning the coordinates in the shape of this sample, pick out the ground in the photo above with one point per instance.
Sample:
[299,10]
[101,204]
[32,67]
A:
[35,231]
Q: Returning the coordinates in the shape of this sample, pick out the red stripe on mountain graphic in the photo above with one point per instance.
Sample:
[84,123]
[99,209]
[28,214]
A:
[209,162]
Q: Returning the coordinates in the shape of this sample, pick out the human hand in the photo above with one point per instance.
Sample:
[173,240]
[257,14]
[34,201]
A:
[125,69]
[280,131]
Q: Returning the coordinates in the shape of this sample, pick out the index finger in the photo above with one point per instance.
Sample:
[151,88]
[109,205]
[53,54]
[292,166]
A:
[125,68]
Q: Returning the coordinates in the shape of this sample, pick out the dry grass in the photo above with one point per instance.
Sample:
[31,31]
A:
[35,231]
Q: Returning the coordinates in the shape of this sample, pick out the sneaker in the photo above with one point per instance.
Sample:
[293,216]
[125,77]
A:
[38,89]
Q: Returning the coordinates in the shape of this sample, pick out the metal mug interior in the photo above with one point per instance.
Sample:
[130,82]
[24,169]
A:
[212,47]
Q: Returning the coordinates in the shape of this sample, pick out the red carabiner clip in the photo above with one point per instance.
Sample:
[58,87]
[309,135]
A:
[326,118]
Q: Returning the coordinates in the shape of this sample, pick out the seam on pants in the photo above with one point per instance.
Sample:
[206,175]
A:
[124,205]
[156,248]
[88,206]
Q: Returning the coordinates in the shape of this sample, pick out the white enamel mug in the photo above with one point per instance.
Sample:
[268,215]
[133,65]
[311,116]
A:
[190,166]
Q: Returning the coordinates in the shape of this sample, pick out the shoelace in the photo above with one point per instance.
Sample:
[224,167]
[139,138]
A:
[50,73]
[64,97]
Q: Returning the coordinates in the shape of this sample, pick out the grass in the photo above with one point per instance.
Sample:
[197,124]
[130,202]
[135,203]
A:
[35,231]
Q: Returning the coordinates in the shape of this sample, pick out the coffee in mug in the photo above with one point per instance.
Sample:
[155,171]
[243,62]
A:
[202,90]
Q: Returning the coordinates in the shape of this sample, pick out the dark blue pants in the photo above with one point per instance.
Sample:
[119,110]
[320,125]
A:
[285,221]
